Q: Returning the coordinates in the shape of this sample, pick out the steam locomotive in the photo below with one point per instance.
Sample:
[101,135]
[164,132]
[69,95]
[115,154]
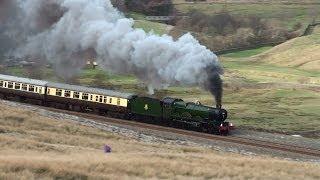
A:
[168,111]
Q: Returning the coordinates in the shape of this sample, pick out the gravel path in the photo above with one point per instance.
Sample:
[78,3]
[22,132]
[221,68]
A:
[279,138]
[151,136]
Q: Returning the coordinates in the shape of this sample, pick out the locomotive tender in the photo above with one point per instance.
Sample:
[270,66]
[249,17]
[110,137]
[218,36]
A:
[169,111]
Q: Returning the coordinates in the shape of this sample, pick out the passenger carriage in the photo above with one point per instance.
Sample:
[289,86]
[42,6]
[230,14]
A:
[88,99]
[23,89]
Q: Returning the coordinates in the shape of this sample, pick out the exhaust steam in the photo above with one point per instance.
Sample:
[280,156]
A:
[65,32]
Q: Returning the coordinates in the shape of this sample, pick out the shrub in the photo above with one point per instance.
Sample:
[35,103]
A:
[222,30]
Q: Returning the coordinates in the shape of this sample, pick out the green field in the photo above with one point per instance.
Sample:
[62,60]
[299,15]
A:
[247,53]
[148,26]
[276,109]
[157,28]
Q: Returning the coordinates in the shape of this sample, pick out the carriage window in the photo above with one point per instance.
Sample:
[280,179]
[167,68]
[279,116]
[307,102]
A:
[76,95]
[85,96]
[48,91]
[118,101]
[59,92]
[31,88]
[91,97]
[1,83]
[10,85]
[105,99]
[17,86]
[110,100]
[67,93]
[5,84]
[36,88]
[25,87]
[101,99]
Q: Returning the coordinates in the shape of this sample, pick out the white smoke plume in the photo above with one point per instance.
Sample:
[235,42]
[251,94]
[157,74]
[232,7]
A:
[63,32]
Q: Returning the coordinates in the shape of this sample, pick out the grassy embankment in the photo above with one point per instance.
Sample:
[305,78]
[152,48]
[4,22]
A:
[301,53]
[36,147]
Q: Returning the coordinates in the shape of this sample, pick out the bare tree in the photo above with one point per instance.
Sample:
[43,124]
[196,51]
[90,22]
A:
[151,7]
[120,4]
[223,20]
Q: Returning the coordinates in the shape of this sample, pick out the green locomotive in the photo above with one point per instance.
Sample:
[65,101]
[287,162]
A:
[176,112]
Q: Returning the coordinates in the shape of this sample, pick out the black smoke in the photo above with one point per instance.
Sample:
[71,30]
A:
[215,83]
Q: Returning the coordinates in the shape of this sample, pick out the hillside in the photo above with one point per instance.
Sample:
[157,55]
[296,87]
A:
[235,24]
[38,147]
[302,53]
[286,13]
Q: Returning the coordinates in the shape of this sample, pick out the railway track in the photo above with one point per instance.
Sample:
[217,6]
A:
[230,139]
